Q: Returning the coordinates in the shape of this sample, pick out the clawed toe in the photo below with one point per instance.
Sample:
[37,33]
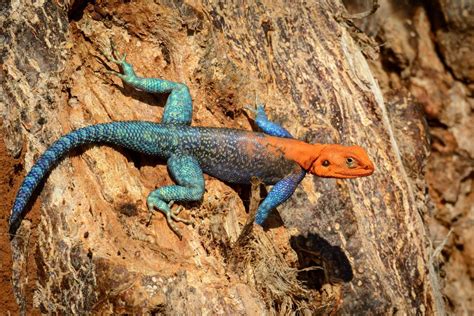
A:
[176,218]
[115,73]
[172,225]
[114,52]
[171,216]
[119,61]
[259,109]
[251,108]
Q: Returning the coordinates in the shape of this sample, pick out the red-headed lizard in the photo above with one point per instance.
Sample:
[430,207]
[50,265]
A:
[232,155]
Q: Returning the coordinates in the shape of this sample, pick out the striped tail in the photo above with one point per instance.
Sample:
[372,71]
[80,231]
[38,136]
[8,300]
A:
[126,134]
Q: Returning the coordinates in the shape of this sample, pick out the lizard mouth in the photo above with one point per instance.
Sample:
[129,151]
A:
[367,171]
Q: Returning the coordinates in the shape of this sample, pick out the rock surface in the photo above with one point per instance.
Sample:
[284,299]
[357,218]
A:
[427,53]
[336,246]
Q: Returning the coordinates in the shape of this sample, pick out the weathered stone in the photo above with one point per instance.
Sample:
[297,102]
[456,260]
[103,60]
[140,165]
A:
[96,253]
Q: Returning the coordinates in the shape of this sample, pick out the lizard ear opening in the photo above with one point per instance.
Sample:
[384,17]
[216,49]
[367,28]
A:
[309,164]
[317,167]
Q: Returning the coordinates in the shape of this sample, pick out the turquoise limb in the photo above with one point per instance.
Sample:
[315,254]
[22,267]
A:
[267,126]
[190,187]
[179,106]
[280,192]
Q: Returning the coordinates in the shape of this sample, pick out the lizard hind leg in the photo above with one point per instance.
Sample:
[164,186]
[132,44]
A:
[178,107]
[190,187]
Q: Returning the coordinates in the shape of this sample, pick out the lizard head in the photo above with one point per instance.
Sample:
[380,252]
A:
[337,161]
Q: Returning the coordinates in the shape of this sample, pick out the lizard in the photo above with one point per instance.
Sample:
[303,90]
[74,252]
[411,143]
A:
[232,155]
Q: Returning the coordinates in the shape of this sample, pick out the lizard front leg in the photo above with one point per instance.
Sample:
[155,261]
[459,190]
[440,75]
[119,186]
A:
[280,192]
[190,187]
[267,126]
[179,106]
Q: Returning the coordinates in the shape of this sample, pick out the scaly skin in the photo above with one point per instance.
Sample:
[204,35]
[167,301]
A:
[231,155]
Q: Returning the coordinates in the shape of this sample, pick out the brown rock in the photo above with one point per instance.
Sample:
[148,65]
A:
[95,252]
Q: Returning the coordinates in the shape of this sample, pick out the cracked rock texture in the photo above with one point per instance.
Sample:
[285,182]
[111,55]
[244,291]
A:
[347,246]
[427,55]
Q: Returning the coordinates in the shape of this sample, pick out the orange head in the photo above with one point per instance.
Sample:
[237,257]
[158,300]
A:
[338,161]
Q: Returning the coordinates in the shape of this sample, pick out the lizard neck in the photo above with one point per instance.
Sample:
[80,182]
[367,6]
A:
[302,153]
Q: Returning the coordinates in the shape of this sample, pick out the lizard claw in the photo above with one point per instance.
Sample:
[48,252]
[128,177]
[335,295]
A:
[257,110]
[119,61]
[171,216]
[176,218]
[115,73]
[250,108]
[114,52]
[172,225]
[127,73]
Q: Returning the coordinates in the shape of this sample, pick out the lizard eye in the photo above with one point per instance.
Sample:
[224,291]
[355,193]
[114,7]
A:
[326,163]
[350,162]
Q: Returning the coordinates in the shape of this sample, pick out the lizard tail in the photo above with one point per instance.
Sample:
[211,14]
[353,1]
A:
[126,134]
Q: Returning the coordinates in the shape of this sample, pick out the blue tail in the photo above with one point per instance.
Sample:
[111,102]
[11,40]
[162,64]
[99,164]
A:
[126,134]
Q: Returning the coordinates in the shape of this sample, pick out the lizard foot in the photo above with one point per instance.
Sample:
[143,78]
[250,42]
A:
[127,74]
[254,109]
[114,52]
[257,110]
[171,216]
[176,218]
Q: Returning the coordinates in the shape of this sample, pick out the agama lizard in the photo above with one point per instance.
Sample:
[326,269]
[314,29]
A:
[231,155]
